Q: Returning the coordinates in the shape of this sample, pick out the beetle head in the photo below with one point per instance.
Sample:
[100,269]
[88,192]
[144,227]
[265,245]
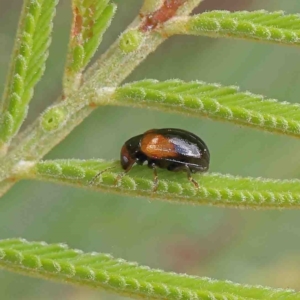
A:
[126,158]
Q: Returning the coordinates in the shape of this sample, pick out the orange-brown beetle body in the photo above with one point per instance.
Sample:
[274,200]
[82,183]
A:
[167,148]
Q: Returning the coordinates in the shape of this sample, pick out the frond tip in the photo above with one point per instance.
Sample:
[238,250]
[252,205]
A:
[97,270]
[261,25]
[90,20]
[214,189]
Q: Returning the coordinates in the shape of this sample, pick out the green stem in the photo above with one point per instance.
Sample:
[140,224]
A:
[112,68]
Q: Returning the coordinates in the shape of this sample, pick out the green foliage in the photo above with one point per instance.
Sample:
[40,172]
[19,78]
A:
[100,85]
[90,20]
[214,189]
[225,103]
[261,25]
[58,262]
[27,65]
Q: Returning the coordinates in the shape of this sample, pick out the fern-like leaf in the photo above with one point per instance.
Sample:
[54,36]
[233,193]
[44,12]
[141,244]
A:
[58,262]
[261,25]
[90,20]
[214,188]
[27,66]
[224,103]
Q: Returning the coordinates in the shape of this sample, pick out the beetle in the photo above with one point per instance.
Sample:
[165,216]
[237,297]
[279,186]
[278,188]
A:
[167,148]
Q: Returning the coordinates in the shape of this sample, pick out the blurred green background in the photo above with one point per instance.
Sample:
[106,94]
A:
[246,246]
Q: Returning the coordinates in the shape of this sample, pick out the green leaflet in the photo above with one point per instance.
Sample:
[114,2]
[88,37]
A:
[224,103]
[275,27]
[27,65]
[196,98]
[214,188]
[58,262]
[91,18]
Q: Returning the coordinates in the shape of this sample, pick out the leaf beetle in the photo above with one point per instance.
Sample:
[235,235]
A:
[167,148]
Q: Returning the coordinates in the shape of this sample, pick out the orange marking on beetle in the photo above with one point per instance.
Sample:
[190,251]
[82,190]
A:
[163,14]
[149,131]
[157,146]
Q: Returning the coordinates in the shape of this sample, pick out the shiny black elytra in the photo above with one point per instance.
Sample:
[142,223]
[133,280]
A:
[167,148]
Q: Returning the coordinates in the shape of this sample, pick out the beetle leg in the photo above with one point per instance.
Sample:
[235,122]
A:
[92,181]
[190,178]
[155,180]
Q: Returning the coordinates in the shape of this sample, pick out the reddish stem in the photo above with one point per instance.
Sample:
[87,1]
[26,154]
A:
[163,14]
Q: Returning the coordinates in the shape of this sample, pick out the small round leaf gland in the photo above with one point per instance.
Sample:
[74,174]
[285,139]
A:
[130,41]
[53,119]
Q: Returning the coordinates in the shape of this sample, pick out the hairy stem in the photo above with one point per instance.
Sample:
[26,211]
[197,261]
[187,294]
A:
[109,71]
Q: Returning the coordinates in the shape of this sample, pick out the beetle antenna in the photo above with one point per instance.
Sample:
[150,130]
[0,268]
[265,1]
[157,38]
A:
[92,181]
[118,178]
